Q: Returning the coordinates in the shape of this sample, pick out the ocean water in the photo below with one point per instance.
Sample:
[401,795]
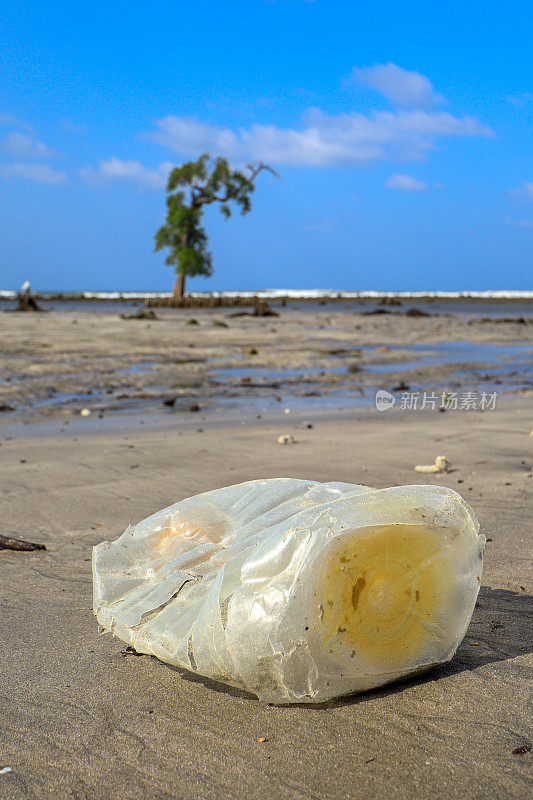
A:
[491,304]
[294,294]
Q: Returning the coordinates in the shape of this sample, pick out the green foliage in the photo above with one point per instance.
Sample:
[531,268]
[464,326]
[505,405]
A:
[191,187]
[185,238]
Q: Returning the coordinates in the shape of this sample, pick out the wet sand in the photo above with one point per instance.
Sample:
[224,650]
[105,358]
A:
[81,720]
[63,361]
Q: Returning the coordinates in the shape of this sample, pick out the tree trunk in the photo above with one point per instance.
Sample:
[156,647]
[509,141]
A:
[179,287]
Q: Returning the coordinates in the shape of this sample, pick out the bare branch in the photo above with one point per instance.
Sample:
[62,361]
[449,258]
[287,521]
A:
[255,170]
[209,197]
[9,543]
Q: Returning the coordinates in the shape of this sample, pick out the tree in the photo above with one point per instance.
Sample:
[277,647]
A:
[190,188]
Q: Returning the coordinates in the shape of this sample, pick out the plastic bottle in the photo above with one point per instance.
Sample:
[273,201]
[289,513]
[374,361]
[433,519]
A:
[293,590]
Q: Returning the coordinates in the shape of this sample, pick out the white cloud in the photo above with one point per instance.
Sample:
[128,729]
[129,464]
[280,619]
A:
[134,171]
[524,191]
[405,182]
[408,132]
[404,89]
[40,173]
[22,145]
[321,140]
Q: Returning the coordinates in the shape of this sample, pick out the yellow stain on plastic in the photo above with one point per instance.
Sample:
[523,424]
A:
[185,529]
[382,594]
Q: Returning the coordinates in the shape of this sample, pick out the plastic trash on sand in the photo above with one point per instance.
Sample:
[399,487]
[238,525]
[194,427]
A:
[294,590]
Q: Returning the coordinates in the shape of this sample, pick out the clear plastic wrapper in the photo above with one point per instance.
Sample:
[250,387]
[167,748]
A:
[294,590]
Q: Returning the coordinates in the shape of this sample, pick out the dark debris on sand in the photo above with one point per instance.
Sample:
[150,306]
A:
[8,543]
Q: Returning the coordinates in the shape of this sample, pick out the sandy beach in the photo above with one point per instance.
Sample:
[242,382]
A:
[58,363]
[279,240]
[81,720]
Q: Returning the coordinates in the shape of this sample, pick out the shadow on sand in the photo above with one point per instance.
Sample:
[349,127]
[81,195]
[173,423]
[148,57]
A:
[501,628]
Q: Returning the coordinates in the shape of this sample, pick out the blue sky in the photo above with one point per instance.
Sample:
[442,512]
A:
[402,133]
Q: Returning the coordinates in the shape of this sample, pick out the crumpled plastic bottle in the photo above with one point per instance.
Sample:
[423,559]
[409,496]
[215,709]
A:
[294,590]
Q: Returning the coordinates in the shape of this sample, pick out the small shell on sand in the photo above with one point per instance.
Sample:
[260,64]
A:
[286,438]
[441,465]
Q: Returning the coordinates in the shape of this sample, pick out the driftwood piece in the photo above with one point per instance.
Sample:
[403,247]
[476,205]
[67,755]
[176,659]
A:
[261,309]
[8,543]
[141,314]
[27,302]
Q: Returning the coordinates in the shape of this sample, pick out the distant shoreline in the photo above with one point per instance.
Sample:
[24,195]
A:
[275,295]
